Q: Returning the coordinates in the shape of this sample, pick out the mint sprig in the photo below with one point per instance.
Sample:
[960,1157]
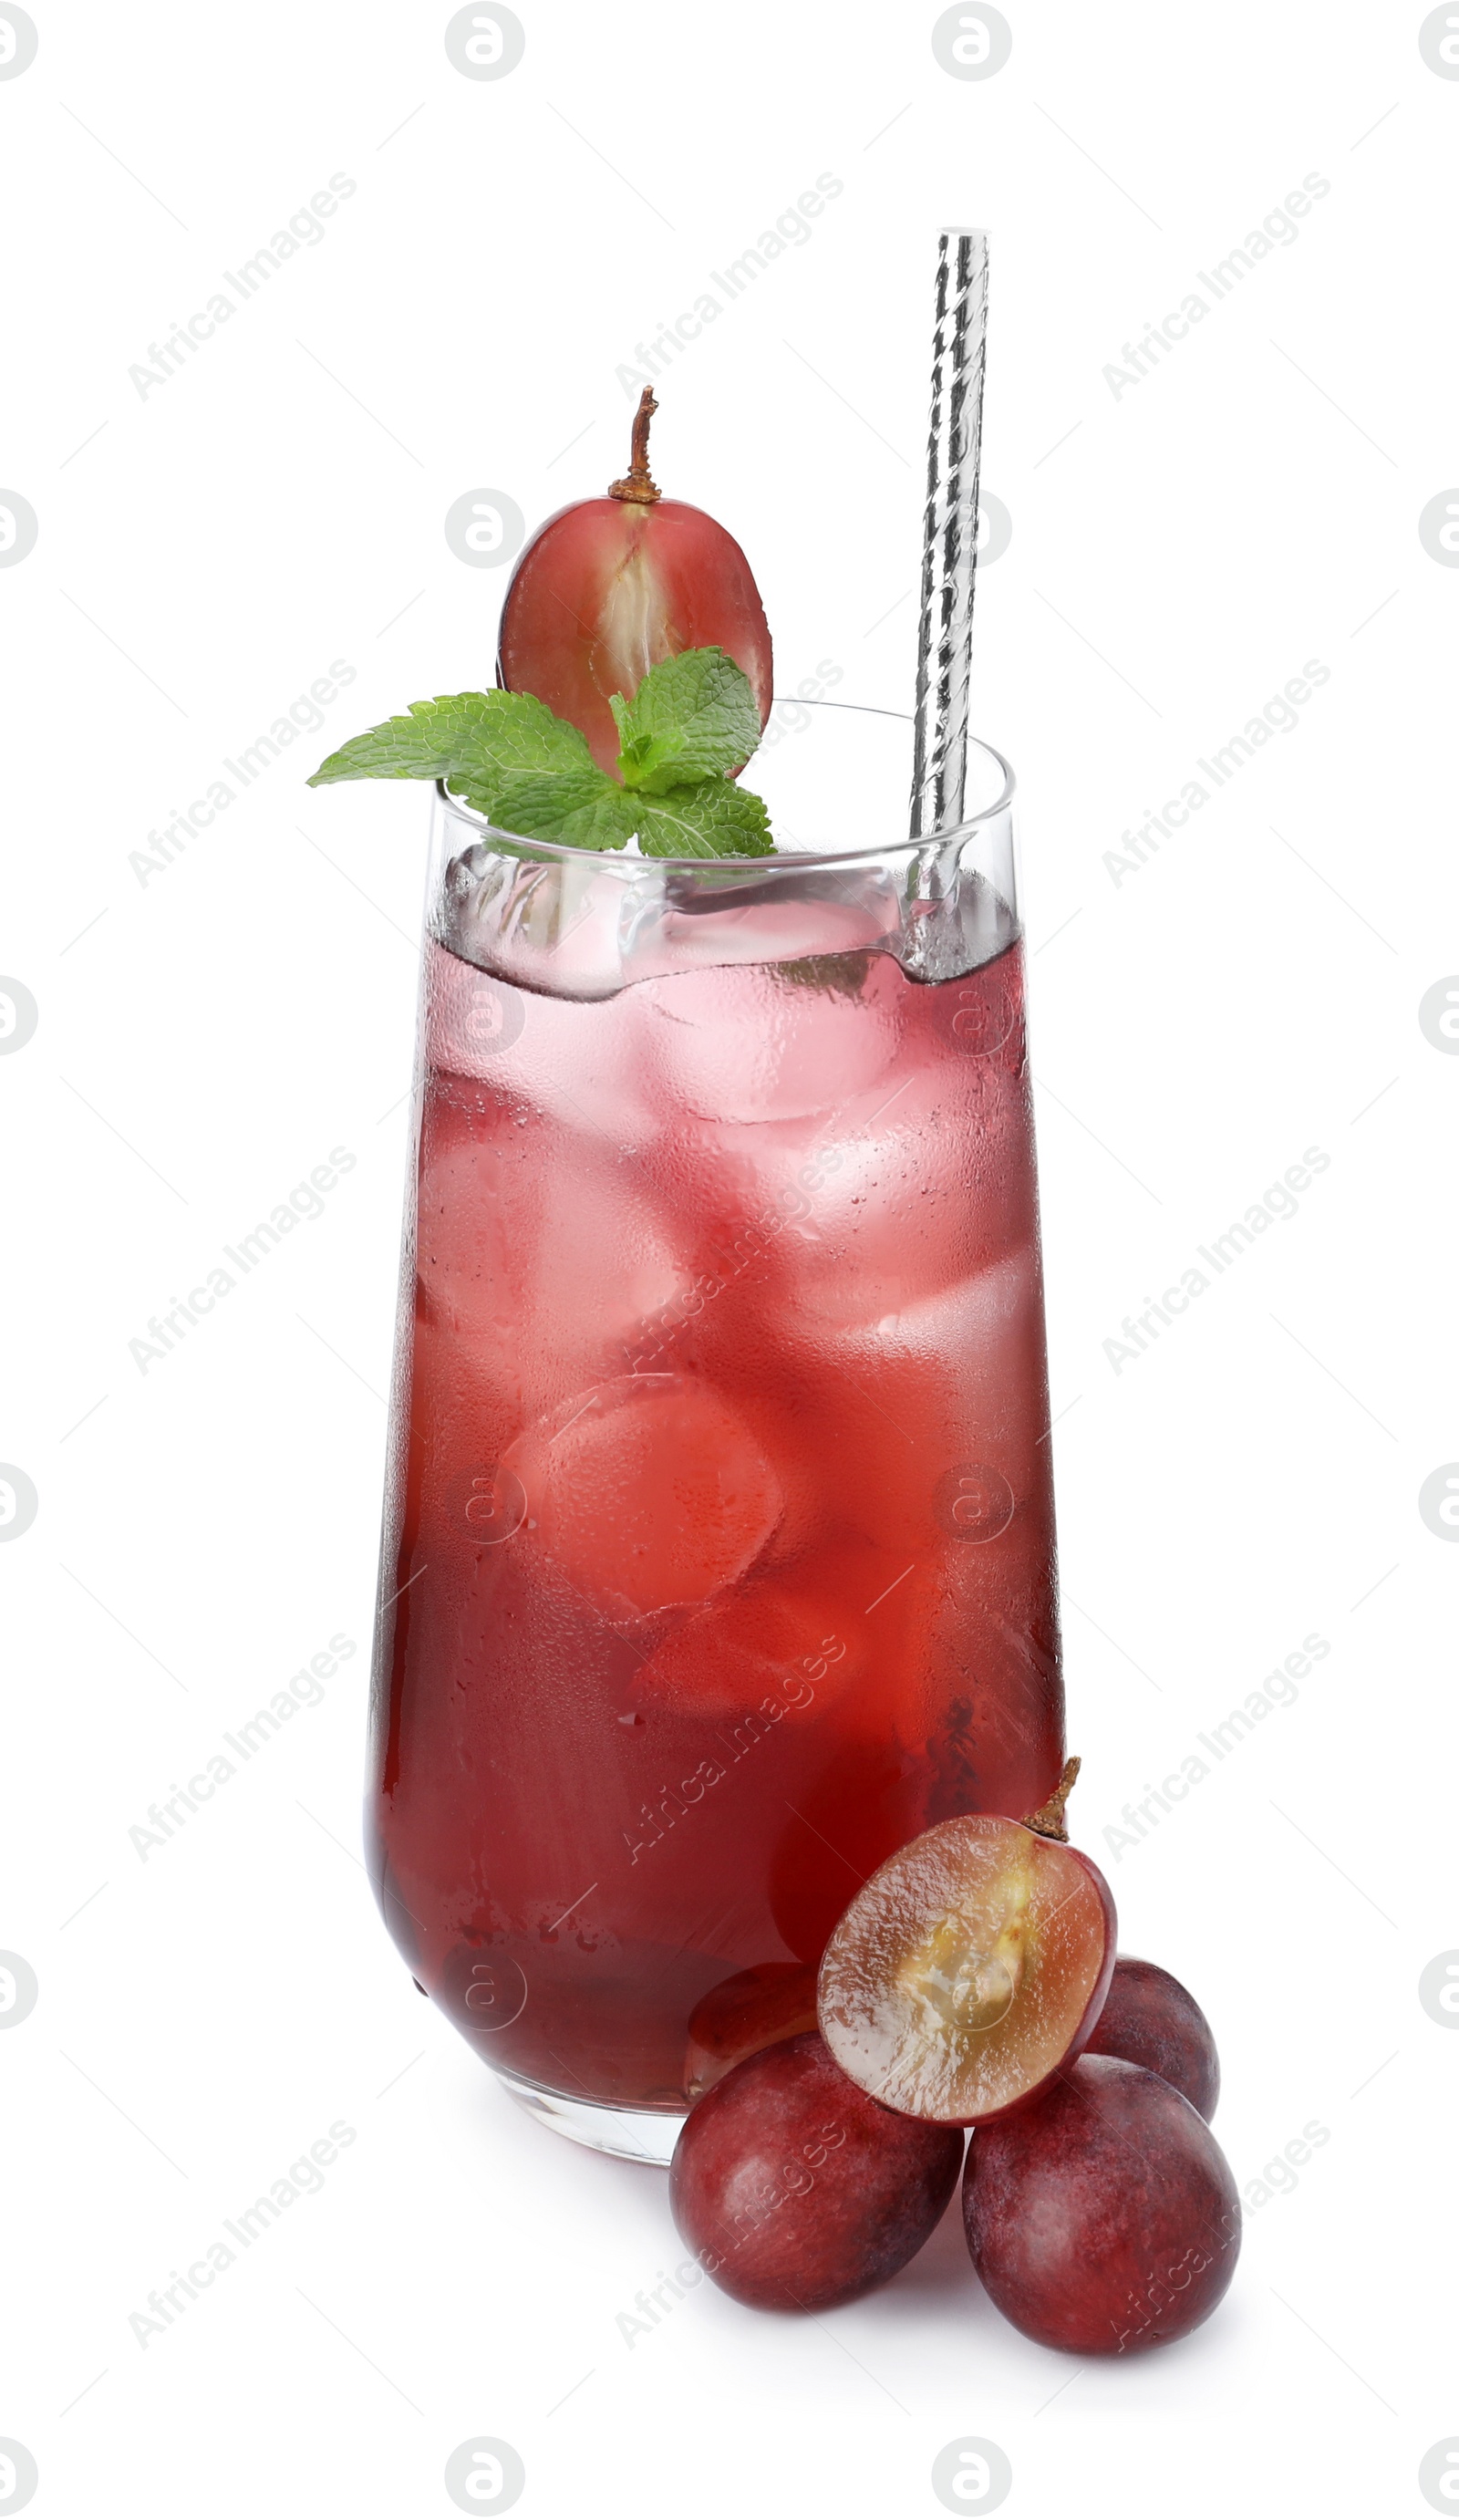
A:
[693,717]
[692,721]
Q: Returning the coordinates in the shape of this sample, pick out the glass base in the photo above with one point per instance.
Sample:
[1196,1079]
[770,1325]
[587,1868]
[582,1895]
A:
[633,2135]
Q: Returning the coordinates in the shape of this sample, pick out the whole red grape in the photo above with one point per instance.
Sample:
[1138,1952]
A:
[755,2008]
[796,2191]
[1102,2217]
[1150,2020]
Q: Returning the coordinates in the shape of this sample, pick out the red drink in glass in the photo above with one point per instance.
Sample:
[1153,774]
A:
[719,1550]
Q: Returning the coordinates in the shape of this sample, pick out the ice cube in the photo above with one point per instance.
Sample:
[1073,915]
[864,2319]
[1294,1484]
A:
[779,1645]
[803,1040]
[647,1493]
[883,1212]
[583,1066]
[472,1018]
[543,1255]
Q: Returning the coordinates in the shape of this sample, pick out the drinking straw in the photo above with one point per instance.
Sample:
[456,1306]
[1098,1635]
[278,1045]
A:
[950,532]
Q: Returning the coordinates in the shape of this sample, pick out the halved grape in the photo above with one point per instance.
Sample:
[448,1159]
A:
[609,587]
[970,1969]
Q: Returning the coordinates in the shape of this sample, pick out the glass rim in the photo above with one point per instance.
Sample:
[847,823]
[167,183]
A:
[563,851]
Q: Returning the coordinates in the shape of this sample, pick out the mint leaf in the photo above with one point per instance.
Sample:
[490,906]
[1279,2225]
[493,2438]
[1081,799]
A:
[506,729]
[504,753]
[713,818]
[586,808]
[840,975]
[693,717]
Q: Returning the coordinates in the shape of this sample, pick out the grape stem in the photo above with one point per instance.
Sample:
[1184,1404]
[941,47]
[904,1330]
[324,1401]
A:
[638,484]
[1049,1820]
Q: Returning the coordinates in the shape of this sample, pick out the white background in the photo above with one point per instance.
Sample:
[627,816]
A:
[206,1036]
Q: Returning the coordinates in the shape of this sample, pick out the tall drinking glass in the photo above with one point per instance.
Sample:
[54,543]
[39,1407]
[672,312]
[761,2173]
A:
[719,1543]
